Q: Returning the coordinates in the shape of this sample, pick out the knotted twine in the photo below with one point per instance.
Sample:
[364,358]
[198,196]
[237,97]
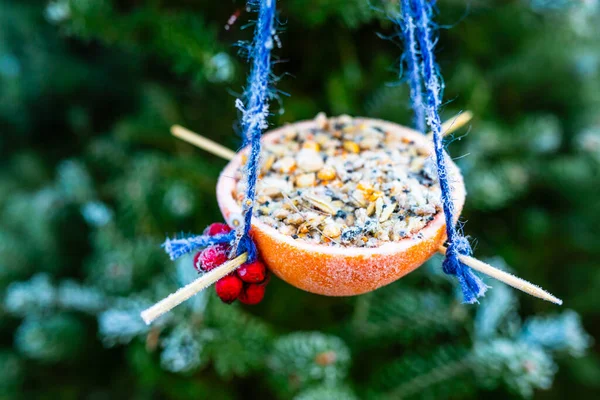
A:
[255,109]
[254,119]
[426,96]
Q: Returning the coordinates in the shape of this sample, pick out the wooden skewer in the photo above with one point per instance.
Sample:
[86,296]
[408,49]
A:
[453,124]
[174,299]
[202,142]
[217,149]
[507,278]
[211,277]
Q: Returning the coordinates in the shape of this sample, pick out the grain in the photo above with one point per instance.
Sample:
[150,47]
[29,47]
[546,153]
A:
[345,183]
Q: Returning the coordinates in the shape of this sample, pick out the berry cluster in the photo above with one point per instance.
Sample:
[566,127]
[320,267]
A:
[247,284]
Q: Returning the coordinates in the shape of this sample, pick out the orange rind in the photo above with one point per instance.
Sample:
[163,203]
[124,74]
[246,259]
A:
[341,271]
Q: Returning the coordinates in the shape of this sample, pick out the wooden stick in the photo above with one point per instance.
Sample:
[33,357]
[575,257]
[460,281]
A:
[219,150]
[448,126]
[174,299]
[507,278]
[202,142]
[453,124]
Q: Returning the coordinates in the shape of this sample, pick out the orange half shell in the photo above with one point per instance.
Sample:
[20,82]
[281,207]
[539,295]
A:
[341,271]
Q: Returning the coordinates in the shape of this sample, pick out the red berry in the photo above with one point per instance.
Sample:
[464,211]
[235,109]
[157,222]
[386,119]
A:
[252,272]
[217,228]
[213,256]
[229,288]
[252,294]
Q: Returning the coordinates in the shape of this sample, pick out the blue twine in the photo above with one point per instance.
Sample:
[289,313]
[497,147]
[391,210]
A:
[254,119]
[420,12]
[176,248]
[411,59]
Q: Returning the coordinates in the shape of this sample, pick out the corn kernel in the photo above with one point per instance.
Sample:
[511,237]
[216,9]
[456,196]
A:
[351,147]
[326,174]
[311,145]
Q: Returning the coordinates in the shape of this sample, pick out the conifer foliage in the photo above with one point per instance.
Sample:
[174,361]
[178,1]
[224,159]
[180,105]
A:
[91,181]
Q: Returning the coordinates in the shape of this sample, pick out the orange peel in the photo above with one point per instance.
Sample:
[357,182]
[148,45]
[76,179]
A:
[341,271]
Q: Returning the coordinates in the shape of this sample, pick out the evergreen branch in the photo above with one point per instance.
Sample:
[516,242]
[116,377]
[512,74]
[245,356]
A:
[440,374]
[180,37]
[436,376]
[402,314]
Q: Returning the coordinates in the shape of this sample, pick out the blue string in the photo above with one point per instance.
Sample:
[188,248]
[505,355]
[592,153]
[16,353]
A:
[420,12]
[175,248]
[411,58]
[254,119]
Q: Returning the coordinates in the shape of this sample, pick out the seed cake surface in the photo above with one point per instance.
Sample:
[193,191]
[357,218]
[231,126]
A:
[345,183]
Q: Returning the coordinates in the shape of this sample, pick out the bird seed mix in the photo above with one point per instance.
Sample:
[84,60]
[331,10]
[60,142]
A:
[345,182]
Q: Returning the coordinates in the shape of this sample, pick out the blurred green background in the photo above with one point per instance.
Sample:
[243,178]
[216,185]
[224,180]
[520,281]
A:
[91,183]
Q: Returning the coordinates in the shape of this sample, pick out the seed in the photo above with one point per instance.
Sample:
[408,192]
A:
[349,129]
[325,141]
[375,195]
[320,203]
[370,225]
[359,198]
[371,208]
[400,228]
[351,147]
[281,213]
[417,164]
[310,145]
[415,224]
[344,119]
[322,121]
[425,209]
[287,230]
[280,150]
[365,186]
[289,206]
[341,214]
[337,204]
[263,199]
[361,215]
[268,164]
[313,218]
[285,165]
[332,230]
[309,160]
[350,234]
[372,242]
[264,210]
[306,180]
[294,219]
[304,228]
[326,173]
[379,207]
[273,187]
[350,220]
[370,143]
[387,212]
[383,235]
